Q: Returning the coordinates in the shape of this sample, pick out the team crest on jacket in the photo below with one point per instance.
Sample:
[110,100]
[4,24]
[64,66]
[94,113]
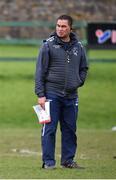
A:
[56,46]
[75,51]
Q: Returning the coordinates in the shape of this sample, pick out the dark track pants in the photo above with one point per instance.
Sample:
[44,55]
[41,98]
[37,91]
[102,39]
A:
[65,111]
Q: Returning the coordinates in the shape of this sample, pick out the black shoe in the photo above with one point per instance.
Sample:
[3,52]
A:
[72,165]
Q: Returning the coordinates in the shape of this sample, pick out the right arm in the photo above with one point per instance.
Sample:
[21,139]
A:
[41,70]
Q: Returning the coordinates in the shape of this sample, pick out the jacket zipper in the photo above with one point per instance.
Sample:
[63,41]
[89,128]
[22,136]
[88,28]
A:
[67,61]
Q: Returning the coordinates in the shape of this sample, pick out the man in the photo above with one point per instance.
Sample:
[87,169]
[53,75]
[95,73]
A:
[61,69]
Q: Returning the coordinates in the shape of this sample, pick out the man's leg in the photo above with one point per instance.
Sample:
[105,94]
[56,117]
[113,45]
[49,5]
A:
[49,132]
[68,130]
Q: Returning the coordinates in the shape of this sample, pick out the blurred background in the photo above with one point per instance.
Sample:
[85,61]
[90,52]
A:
[36,19]
[23,26]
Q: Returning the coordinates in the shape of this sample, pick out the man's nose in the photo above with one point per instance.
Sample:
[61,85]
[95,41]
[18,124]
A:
[60,28]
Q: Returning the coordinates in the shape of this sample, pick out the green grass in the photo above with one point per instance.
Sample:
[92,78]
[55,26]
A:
[32,51]
[17,94]
[96,99]
[94,152]
[102,54]
[18,51]
[19,127]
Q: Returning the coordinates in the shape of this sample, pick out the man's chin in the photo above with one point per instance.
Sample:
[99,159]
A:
[60,35]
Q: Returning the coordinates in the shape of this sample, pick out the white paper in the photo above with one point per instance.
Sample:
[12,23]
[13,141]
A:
[114,128]
[43,114]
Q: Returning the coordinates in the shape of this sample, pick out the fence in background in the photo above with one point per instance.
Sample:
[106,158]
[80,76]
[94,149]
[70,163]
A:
[16,27]
[11,33]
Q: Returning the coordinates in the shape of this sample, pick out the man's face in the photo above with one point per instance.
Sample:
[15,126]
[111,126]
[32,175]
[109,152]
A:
[62,28]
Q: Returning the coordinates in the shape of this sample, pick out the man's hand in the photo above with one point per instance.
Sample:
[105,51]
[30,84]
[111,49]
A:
[41,102]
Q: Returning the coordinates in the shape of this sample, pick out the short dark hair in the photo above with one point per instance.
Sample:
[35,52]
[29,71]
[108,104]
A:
[68,18]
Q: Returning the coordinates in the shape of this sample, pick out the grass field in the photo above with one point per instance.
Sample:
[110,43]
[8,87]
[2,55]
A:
[20,149]
[20,155]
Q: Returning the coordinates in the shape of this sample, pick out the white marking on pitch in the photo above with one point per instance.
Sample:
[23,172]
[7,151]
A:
[114,128]
[27,152]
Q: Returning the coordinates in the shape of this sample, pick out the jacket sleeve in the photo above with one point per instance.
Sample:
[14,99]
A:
[83,66]
[41,70]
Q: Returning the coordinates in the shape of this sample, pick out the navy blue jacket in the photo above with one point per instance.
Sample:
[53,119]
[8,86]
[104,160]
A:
[61,67]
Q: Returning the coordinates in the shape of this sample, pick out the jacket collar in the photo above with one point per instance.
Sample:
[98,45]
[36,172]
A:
[73,38]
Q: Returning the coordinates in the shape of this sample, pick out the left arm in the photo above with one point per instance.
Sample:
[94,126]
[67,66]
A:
[83,68]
